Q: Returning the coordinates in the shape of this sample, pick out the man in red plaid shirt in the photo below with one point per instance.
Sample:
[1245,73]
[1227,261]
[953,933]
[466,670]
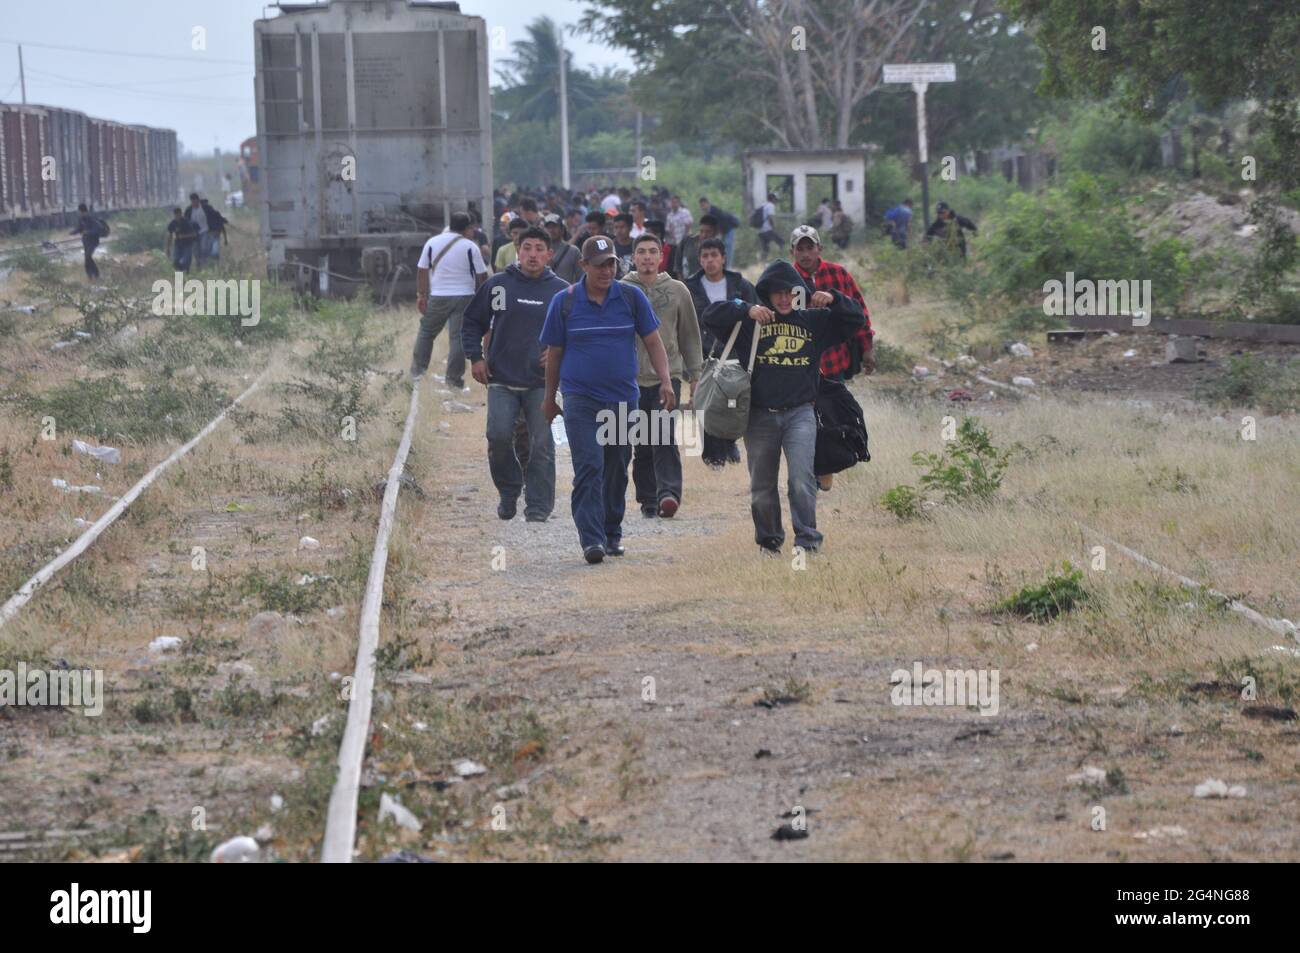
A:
[822,275]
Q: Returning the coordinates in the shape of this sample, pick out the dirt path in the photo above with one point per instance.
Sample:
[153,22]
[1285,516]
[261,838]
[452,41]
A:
[704,772]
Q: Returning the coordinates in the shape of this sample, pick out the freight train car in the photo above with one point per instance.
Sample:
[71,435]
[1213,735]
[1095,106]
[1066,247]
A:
[53,159]
[373,127]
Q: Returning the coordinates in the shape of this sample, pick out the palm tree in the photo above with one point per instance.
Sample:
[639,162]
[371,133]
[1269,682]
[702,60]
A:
[530,82]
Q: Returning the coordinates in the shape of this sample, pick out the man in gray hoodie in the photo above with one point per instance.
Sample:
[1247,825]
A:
[512,305]
[657,462]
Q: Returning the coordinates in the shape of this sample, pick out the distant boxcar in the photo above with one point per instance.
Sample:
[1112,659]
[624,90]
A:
[52,159]
[373,127]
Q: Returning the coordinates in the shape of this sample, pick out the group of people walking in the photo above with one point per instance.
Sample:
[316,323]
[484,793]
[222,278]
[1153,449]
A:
[625,341]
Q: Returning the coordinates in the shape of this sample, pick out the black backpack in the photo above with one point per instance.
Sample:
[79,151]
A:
[101,228]
[841,429]
[756,217]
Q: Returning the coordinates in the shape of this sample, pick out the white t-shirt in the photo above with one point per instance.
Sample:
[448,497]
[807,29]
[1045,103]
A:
[637,231]
[455,273]
[768,211]
[611,201]
[716,290]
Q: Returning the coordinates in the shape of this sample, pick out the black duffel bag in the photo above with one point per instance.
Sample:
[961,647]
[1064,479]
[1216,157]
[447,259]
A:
[841,429]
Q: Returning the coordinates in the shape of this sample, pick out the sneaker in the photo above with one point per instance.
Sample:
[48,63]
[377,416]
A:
[649,512]
[536,517]
[457,386]
[465,389]
[734,454]
[667,507]
[594,554]
[615,549]
[415,376]
[506,509]
[772,552]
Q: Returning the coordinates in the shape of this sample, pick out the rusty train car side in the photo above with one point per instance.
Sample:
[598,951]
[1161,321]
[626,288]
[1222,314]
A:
[51,159]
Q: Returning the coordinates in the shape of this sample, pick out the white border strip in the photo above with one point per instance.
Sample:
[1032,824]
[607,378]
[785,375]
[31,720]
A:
[341,819]
[1283,627]
[23,595]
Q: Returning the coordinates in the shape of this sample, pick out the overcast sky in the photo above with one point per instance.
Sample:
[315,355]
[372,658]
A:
[206,96]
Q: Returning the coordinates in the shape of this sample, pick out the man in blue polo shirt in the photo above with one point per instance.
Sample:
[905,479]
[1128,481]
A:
[590,332]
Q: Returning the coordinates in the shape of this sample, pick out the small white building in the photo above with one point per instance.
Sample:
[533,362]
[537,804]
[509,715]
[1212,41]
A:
[801,178]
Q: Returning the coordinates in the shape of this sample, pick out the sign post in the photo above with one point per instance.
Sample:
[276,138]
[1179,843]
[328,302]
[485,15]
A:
[920,76]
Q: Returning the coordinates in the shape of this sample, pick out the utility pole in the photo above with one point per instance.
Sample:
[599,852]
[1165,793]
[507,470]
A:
[22,75]
[921,75]
[564,110]
[637,163]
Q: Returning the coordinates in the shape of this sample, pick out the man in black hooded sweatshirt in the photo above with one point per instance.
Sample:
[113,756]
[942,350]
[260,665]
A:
[783,387]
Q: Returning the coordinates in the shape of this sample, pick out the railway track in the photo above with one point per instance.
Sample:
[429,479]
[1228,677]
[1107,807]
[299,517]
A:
[340,831]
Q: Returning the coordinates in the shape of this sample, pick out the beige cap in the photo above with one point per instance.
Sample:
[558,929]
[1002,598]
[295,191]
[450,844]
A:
[804,231]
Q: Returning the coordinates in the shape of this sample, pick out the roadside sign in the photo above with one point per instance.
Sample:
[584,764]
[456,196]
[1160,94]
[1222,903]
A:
[920,73]
[920,76]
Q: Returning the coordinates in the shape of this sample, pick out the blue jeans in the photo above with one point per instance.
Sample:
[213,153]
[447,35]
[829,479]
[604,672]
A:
[769,433]
[729,240]
[599,473]
[182,255]
[538,483]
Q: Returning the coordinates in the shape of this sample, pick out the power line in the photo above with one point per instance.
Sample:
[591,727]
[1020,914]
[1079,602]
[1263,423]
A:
[200,59]
[74,83]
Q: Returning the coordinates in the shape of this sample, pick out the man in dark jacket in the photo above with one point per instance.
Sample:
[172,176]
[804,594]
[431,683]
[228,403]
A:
[216,233]
[782,391]
[512,305]
[713,282]
[950,228]
[89,229]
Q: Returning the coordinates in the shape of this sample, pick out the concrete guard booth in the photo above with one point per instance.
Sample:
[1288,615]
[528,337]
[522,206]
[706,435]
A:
[801,178]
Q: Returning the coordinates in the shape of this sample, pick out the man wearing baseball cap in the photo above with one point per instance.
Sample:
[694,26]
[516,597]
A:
[841,361]
[591,331]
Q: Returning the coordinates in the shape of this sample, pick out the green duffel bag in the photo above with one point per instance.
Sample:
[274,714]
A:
[722,396]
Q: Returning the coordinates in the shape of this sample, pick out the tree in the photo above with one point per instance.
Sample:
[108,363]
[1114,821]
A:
[530,84]
[796,69]
[1149,51]
[991,104]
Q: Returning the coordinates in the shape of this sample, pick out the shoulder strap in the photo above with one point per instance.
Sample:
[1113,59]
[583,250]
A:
[735,333]
[433,266]
[753,347]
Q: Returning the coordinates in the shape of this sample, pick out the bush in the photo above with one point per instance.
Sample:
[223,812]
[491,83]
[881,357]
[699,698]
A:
[1248,381]
[969,469]
[888,182]
[970,195]
[1042,603]
[140,231]
[1038,238]
[904,502]
[1097,140]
